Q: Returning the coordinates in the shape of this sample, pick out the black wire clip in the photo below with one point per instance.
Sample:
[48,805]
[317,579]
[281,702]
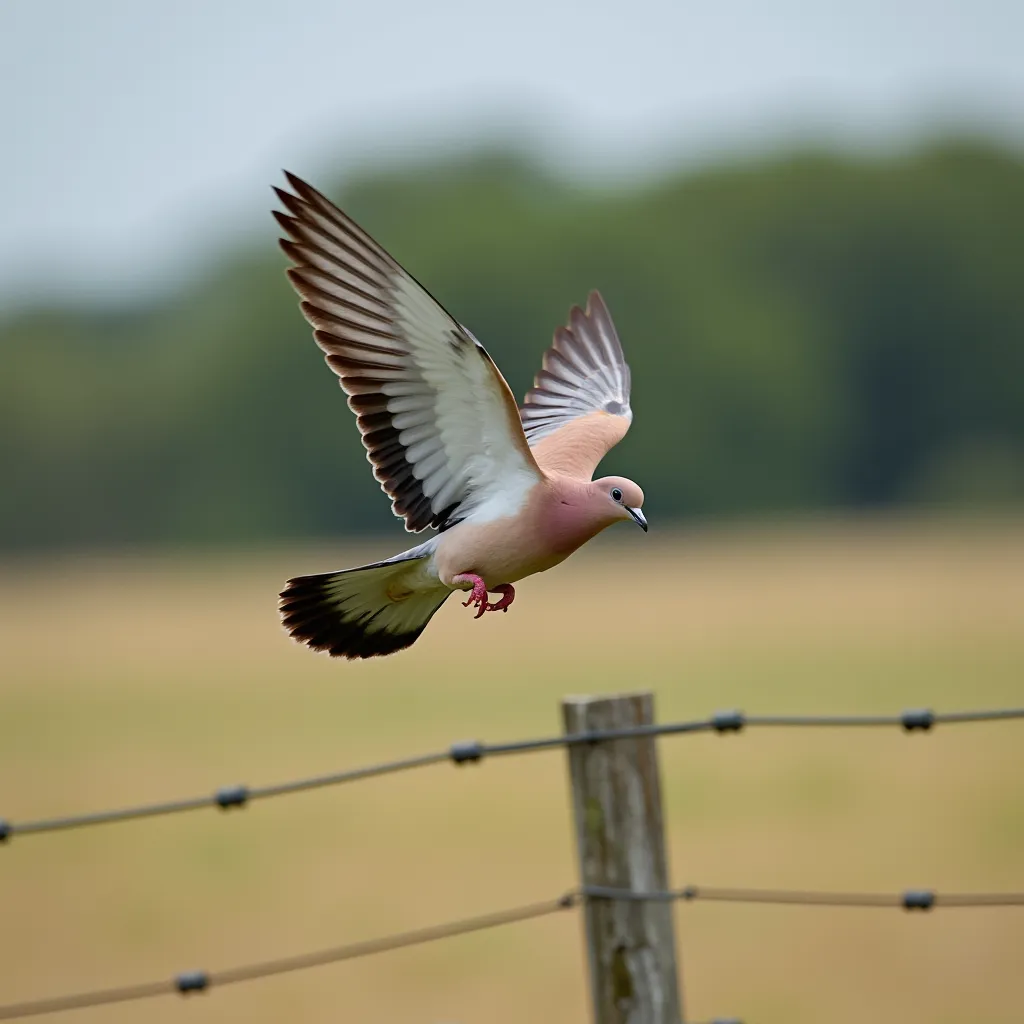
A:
[918,899]
[192,981]
[465,751]
[917,719]
[728,721]
[231,796]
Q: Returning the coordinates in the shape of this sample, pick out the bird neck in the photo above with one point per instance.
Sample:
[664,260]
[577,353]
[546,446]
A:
[573,515]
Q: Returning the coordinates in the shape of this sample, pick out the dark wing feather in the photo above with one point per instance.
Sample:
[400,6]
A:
[578,406]
[584,371]
[437,419]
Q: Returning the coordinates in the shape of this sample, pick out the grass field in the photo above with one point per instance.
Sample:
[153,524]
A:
[137,678]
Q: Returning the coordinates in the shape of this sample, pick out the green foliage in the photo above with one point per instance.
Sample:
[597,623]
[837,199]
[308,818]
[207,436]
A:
[806,332]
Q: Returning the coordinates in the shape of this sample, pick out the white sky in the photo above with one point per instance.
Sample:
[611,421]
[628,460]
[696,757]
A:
[138,134]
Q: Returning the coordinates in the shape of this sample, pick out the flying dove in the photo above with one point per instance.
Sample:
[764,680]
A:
[509,490]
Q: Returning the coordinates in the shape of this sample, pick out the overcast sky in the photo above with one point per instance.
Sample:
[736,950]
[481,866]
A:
[136,132]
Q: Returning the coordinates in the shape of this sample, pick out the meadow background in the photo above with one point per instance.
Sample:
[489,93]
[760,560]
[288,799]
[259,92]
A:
[810,230]
[143,678]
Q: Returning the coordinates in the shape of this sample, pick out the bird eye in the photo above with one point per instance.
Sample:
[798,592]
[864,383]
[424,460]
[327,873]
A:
[616,494]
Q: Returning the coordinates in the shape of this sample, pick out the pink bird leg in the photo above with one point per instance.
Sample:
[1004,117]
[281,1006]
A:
[478,595]
[508,595]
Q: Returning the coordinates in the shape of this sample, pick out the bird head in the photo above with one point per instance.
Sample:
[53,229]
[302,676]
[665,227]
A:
[623,499]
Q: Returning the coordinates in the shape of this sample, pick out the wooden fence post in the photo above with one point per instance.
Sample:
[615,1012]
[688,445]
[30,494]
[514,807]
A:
[616,795]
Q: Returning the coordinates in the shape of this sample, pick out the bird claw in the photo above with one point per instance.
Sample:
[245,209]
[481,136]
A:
[508,595]
[478,595]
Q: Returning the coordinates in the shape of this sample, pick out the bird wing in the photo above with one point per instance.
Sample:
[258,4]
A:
[438,421]
[578,408]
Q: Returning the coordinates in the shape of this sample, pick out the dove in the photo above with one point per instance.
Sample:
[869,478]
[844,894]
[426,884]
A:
[509,490]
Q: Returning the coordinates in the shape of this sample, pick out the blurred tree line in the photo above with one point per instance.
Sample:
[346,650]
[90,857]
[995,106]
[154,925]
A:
[805,332]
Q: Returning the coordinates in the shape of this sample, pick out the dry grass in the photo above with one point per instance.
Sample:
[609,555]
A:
[137,678]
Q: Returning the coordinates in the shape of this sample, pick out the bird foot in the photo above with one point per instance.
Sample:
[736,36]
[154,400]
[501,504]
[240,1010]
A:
[478,595]
[508,595]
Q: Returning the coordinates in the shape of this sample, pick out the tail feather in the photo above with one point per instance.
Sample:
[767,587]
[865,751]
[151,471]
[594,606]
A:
[363,612]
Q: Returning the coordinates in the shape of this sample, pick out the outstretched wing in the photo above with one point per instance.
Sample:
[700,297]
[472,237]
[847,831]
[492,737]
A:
[578,407]
[438,421]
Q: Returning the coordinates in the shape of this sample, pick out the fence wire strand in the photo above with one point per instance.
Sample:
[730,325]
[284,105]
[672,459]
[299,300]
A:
[200,981]
[909,899]
[225,798]
[472,751]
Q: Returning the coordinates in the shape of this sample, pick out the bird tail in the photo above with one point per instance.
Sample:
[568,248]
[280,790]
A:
[363,612]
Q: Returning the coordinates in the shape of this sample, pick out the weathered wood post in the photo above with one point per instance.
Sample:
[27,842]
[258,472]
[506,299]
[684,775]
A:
[616,794]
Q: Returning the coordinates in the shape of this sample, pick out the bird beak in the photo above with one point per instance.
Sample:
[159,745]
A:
[639,517]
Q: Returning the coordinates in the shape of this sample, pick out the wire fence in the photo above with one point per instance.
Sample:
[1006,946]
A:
[464,752]
[192,981]
[473,751]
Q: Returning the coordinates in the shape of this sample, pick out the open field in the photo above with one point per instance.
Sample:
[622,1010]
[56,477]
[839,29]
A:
[136,678]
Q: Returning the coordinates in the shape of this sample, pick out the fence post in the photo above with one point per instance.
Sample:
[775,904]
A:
[616,795]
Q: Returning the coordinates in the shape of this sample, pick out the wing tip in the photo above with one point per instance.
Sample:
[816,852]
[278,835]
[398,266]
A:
[299,186]
[287,223]
[311,616]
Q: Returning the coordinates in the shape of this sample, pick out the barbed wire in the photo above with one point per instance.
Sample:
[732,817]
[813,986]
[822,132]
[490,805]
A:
[225,798]
[474,751]
[909,899]
[188,982]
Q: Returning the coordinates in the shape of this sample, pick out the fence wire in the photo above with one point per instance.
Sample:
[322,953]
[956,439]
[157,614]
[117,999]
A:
[190,982]
[474,751]
[909,899]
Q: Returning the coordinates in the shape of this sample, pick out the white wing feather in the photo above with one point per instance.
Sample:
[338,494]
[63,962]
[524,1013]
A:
[583,372]
[436,417]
